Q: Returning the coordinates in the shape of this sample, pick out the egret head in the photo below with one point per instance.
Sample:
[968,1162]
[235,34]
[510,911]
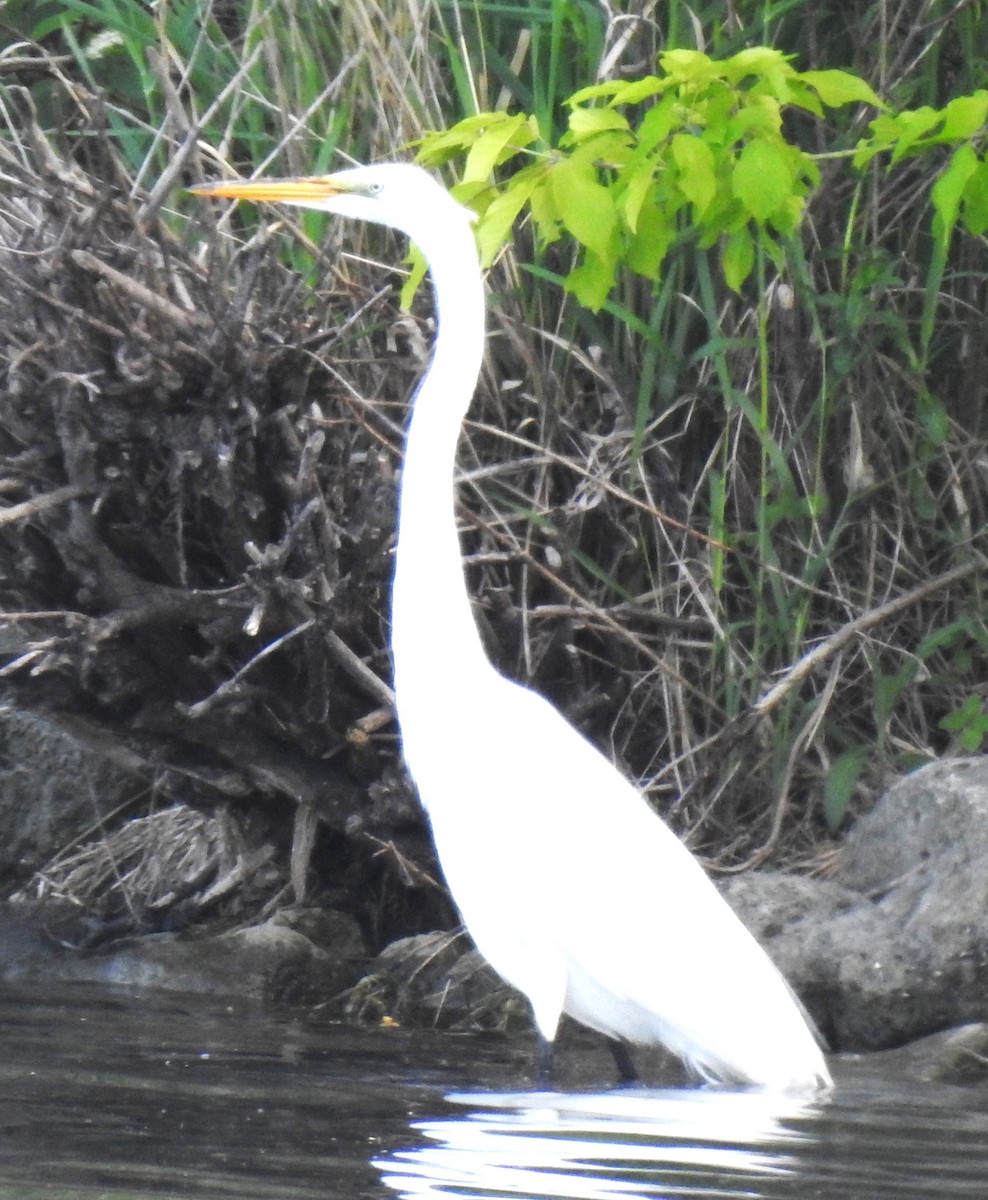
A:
[399,195]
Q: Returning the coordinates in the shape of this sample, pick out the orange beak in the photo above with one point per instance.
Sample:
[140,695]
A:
[300,191]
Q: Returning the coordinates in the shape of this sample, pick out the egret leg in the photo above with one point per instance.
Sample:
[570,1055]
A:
[543,1063]
[623,1061]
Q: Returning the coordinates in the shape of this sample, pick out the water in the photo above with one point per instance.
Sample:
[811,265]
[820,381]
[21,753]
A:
[116,1096]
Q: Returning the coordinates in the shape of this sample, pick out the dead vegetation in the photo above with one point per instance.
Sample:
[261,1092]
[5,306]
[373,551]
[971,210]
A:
[198,456]
[199,449]
[197,514]
[164,871]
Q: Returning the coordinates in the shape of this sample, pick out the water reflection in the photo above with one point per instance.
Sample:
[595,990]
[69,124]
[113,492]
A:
[874,1138]
[109,1095]
[620,1143]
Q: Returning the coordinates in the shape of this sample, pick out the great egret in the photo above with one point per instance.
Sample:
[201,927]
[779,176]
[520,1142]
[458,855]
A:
[570,885]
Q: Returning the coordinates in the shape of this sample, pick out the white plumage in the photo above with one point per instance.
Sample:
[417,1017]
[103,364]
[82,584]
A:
[570,885]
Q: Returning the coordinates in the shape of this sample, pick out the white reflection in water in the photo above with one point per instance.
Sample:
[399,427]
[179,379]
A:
[708,1143]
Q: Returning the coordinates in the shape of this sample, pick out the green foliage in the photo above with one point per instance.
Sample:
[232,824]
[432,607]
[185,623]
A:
[962,643]
[146,62]
[960,193]
[760,275]
[699,165]
[528,56]
[701,150]
[969,723]
[943,660]
[697,151]
[841,783]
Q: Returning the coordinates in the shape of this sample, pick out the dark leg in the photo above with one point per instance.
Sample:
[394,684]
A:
[543,1063]
[623,1060]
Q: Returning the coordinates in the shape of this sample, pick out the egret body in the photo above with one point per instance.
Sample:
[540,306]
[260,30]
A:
[570,885]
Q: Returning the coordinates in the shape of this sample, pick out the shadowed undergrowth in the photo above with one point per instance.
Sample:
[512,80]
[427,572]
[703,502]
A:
[201,430]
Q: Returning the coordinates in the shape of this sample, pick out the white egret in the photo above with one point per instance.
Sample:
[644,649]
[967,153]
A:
[570,885]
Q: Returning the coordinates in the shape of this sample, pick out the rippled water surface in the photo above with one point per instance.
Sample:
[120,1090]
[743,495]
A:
[117,1096]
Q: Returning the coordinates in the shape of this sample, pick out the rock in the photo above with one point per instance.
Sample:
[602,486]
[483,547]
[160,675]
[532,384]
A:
[955,1056]
[890,950]
[267,962]
[912,957]
[789,915]
[929,832]
[23,941]
[52,789]
[895,946]
[436,980]
[326,928]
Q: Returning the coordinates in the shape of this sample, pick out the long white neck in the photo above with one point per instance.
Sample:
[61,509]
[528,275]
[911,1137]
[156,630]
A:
[434,636]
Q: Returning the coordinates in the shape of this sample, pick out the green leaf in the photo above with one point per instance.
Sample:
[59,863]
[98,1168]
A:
[595,91]
[787,218]
[495,145]
[889,690]
[756,60]
[913,125]
[934,419]
[944,638]
[592,280]
[964,116]
[949,188]
[697,179]
[969,709]
[419,267]
[763,178]
[494,227]
[974,211]
[737,258]
[803,96]
[972,738]
[761,118]
[612,147]
[439,148]
[654,234]
[842,780]
[585,206]
[658,123]
[544,212]
[969,722]
[715,114]
[689,66]
[636,186]
[776,80]
[585,122]
[637,90]
[876,143]
[840,87]
[899,133]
